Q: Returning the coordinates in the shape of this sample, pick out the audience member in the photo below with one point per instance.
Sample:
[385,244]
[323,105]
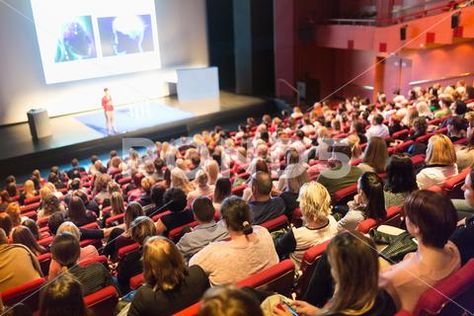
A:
[170,285]
[431,219]
[368,202]
[440,162]
[175,198]
[401,180]
[318,223]
[203,234]
[250,249]
[263,207]
[375,156]
[15,258]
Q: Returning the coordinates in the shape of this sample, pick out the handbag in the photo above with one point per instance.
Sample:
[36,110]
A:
[398,247]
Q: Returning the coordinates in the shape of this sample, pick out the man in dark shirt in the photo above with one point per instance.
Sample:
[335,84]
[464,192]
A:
[76,170]
[264,207]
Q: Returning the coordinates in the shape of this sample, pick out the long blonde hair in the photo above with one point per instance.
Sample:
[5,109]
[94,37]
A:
[440,151]
[355,270]
[180,180]
[376,154]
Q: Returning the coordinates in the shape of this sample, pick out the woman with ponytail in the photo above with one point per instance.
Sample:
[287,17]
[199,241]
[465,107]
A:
[249,250]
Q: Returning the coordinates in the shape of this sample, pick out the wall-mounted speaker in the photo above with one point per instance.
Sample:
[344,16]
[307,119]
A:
[455,19]
[403,33]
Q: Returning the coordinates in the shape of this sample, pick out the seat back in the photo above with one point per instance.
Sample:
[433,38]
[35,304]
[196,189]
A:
[97,259]
[452,186]
[344,195]
[393,214]
[137,281]
[451,296]
[176,233]
[117,218]
[27,293]
[122,252]
[308,264]
[239,190]
[278,278]
[44,261]
[102,302]
[276,223]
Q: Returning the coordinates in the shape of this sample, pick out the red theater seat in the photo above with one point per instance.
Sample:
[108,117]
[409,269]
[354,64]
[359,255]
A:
[276,223]
[30,207]
[98,259]
[451,296]
[27,293]
[122,252]
[156,217]
[117,218]
[308,264]
[190,311]
[452,186]
[401,134]
[137,281]
[393,218]
[344,195]
[34,199]
[103,302]
[278,278]
[239,190]
[176,233]
[44,261]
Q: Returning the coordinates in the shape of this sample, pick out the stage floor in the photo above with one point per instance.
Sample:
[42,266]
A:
[77,135]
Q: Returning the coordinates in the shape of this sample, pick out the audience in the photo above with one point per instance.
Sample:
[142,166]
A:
[341,173]
[281,151]
[318,223]
[229,301]
[203,234]
[142,228]
[66,251]
[63,296]
[431,219]
[263,207]
[22,235]
[375,156]
[15,258]
[354,267]
[176,200]
[401,180]
[440,162]
[369,202]
[250,249]
[170,285]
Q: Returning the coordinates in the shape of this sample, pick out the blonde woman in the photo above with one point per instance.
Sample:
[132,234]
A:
[180,180]
[440,162]
[202,187]
[117,204]
[212,169]
[375,156]
[29,191]
[318,223]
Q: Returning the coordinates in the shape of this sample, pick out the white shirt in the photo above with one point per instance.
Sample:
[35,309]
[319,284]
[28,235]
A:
[430,176]
[377,131]
[306,238]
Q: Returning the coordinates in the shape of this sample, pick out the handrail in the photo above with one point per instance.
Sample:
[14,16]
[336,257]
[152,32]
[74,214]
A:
[289,85]
[425,12]
[352,21]
[425,81]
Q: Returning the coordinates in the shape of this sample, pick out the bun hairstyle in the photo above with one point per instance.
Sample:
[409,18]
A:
[236,214]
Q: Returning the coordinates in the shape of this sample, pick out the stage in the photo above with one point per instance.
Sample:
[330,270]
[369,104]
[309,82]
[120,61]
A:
[81,135]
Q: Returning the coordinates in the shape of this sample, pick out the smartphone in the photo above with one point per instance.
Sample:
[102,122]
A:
[290,308]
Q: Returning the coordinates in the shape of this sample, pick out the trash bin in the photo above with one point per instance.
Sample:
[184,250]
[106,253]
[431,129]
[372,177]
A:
[38,119]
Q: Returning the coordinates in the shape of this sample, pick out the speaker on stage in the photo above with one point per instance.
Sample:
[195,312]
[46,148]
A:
[455,20]
[403,33]
[40,127]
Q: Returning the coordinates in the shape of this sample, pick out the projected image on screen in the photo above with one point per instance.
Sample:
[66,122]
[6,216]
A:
[75,40]
[123,35]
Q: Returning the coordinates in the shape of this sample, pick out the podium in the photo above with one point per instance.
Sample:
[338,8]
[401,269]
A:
[38,120]
[193,84]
